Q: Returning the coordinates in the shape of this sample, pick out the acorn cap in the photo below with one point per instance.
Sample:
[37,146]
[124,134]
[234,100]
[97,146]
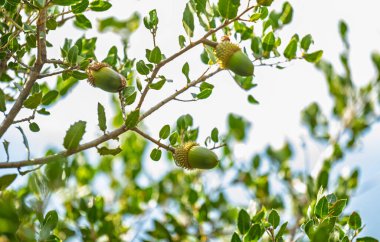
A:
[231,57]
[190,156]
[101,75]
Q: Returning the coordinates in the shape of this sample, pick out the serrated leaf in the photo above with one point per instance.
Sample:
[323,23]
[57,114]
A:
[322,207]
[188,21]
[24,140]
[3,107]
[6,180]
[165,132]
[355,222]
[274,218]
[313,57]
[33,101]
[72,56]
[215,135]
[74,135]
[155,154]
[102,122]
[49,97]
[228,8]
[107,151]
[132,119]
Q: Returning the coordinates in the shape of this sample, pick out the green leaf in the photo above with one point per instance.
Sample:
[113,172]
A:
[165,132]
[228,8]
[186,70]
[188,21]
[65,2]
[132,119]
[142,68]
[355,222]
[51,24]
[48,225]
[256,46]
[252,100]
[6,148]
[74,135]
[314,57]
[131,98]
[291,50]
[343,29]
[24,140]
[337,208]
[244,221]
[100,5]
[82,22]
[268,42]
[107,151]
[366,239]
[154,55]
[181,41]
[102,122]
[6,180]
[281,231]
[34,127]
[3,107]
[254,233]
[33,101]
[235,238]
[80,6]
[173,138]
[158,85]
[49,97]
[287,13]
[274,218]
[306,41]
[72,56]
[215,135]
[155,154]
[204,93]
[151,21]
[322,207]
[111,56]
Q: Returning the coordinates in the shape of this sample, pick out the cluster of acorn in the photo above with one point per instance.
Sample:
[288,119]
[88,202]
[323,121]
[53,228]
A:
[189,155]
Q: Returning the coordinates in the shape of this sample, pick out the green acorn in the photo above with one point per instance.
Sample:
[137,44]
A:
[231,57]
[103,76]
[192,156]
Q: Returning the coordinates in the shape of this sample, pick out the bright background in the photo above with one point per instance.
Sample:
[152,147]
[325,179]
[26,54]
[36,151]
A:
[282,93]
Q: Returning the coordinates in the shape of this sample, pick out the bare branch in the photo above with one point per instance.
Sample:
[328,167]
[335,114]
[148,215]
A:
[146,136]
[218,146]
[57,72]
[31,117]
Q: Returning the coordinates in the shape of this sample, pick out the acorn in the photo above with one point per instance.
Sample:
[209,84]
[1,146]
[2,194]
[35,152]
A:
[101,75]
[192,156]
[231,57]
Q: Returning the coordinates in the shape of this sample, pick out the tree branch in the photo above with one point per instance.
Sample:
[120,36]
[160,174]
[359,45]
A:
[41,58]
[146,136]
[57,72]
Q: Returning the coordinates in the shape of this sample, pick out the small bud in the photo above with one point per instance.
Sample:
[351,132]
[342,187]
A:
[101,75]
[192,156]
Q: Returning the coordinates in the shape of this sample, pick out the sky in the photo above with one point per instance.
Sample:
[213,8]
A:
[282,93]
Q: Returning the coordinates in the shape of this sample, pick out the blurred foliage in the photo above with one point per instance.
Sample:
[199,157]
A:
[113,197]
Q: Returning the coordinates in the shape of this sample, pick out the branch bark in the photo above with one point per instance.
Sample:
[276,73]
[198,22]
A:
[41,58]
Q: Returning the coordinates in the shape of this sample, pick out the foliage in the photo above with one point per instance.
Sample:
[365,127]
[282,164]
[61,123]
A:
[61,199]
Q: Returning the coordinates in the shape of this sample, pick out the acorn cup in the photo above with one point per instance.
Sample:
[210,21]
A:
[101,75]
[231,57]
[192,156]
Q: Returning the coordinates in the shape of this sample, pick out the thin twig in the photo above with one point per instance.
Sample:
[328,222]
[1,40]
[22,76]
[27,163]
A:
[57,72]
[31,117]
[218,146]
[146,136]
[183,100]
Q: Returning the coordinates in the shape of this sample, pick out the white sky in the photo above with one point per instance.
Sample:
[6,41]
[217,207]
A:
[282,93]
